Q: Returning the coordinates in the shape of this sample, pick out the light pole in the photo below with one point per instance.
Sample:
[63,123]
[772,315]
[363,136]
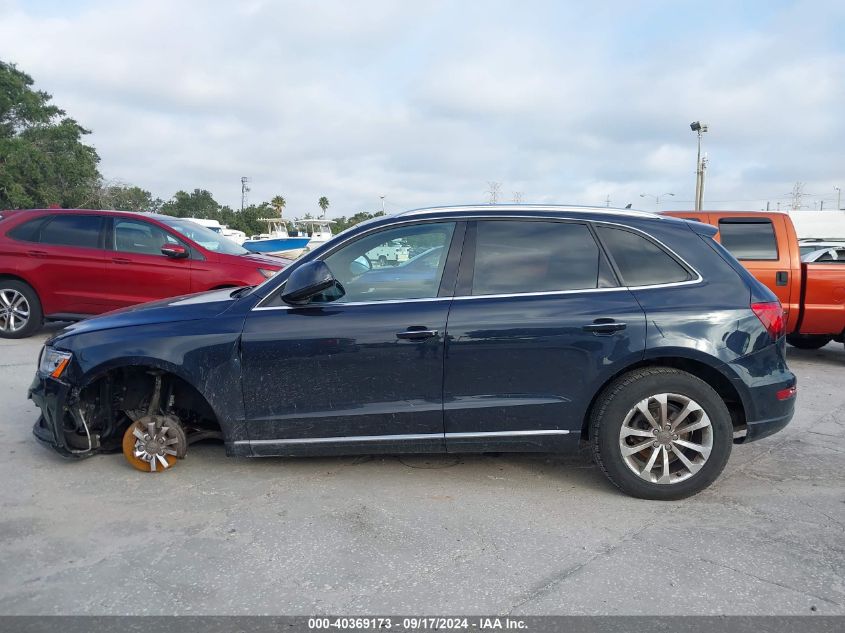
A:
[656,198]
[838,198]
[382,204]
[699,128]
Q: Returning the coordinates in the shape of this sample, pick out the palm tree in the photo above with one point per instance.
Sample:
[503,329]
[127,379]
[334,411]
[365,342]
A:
[324,204]
[278,203]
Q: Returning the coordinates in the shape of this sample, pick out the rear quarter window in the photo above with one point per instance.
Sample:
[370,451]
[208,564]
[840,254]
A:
[28,231]
[749,238]
[640,261]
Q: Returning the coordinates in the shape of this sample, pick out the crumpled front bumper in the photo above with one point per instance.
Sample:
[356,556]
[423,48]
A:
[51,396]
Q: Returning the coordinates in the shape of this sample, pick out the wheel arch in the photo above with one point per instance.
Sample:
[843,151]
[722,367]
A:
[714,373]
[184,381]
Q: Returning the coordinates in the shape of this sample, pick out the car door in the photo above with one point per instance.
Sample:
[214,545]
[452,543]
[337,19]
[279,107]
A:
[538,320]
[136,270]
[362,372]
[71,263]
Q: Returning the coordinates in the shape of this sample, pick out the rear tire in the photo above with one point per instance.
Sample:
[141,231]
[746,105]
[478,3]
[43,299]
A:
[808,341]
[20,309]
[683,455]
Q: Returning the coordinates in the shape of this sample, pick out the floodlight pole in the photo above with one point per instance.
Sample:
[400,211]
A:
[699,128]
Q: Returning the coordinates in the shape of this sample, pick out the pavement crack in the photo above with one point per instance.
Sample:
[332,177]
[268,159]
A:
[775,583]
[546,588]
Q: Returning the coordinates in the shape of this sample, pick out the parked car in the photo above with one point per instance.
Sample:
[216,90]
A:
[58,264]
[812,293]
[542,329]
[807,246]
[389,254]
[834,255]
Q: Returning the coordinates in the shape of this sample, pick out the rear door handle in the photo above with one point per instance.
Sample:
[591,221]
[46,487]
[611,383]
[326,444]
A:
[604,326]
[37,253]
[121,260]
[416,333]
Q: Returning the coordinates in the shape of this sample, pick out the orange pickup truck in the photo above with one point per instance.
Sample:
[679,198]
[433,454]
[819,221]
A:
[812,294]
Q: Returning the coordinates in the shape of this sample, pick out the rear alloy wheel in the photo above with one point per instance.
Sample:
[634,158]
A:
[666,438]
[808,341]
[154,443]
[20,310]
[661,433]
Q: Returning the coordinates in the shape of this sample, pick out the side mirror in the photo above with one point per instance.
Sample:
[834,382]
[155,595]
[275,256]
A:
[307,281]
[176,251]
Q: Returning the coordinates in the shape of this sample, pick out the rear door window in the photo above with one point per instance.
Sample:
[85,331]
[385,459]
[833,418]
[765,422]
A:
[73,230]
[515,257]
[640,261]
[749,238]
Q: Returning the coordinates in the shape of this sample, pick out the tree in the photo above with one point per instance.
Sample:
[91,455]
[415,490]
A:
[342,223]
[42,158]
[324,204]
[278,203]
[197,204]
[126,198]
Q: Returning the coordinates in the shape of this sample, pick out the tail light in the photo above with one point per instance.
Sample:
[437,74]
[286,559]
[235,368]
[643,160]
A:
[770,314]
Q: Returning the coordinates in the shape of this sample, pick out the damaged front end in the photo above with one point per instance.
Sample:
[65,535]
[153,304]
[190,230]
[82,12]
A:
[63,424]
[147,413]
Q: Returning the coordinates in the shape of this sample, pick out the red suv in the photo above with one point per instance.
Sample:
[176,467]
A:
[63,264]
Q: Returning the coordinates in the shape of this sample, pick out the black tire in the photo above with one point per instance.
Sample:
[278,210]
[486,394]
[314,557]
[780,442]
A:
[808,341]
[622,395]
[10,289]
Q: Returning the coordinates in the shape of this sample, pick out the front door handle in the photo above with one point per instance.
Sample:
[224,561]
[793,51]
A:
[121,260]
[37,253]
[604,326]
[416,333]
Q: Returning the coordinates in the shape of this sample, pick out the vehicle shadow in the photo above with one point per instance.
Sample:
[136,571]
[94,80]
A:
[561,471]
[830,354]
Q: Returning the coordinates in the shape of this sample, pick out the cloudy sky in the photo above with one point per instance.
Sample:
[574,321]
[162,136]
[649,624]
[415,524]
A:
[426,102]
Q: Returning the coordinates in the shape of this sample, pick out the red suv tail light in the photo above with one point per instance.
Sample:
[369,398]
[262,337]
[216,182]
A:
[770,314]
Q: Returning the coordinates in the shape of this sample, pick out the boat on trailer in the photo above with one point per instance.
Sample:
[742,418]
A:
[277,240]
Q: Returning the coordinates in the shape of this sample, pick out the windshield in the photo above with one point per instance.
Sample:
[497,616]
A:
[204,237]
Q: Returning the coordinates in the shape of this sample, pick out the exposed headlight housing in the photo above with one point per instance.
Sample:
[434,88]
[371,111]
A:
[267,273]
[53,362]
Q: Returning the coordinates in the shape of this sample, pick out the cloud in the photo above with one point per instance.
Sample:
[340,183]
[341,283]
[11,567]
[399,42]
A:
[425,103]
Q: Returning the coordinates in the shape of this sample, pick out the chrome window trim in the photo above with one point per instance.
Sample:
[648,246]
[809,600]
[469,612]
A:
[404,437]
[698,278]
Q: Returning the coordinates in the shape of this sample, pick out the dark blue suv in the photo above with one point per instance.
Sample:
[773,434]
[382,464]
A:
[508,328]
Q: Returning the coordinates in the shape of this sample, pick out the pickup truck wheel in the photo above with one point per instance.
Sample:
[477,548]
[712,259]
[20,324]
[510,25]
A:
[661,433]
[20,309]
[808,341]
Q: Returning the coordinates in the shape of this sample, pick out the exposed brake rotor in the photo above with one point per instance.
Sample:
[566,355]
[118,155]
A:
[154,442]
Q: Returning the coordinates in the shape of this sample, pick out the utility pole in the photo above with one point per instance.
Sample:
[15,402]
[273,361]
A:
[382,204]
[700,164]
[797,195]
[517,197]
[607,201]
[838,198]
[244,190]
[493,191]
